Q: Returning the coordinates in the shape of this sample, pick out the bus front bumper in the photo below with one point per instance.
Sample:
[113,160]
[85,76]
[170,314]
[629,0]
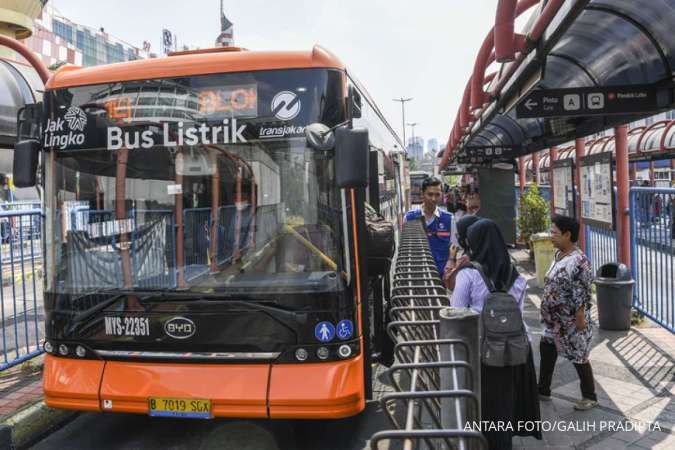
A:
[328,390]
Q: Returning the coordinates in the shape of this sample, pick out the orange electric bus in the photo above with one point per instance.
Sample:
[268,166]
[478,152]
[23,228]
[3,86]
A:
[206,251]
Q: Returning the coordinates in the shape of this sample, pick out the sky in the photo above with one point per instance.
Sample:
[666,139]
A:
[423,49]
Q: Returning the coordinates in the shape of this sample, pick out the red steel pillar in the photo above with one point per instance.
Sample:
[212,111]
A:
[579,148]
[180,229]
[633,171]
[215,212]
[535,167]
[552,156]
[622,186]
[521,174]
[651,174]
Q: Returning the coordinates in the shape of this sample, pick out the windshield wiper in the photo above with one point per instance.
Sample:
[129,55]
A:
[288,319]
[99,306]
[116,294]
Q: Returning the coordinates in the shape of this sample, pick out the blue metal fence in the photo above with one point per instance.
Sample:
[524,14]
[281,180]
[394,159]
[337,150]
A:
[266,224]
[197,226]
[227,222]
[21,287]
[545,192]
[652,213]
[601,246]
[152,250]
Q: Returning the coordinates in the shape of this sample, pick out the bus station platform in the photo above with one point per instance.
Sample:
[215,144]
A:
[634,376]
[634,373]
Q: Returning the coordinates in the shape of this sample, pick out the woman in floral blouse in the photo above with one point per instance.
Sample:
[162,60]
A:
[566,313]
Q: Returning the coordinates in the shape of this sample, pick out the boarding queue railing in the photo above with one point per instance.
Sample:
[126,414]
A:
[436,373]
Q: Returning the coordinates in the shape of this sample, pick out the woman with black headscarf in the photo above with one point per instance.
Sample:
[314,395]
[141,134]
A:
[453,266]
[509,394]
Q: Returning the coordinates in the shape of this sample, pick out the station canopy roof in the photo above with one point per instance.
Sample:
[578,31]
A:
[596,43]
[19,85]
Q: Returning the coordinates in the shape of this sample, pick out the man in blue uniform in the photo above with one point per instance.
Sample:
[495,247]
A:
[439,225]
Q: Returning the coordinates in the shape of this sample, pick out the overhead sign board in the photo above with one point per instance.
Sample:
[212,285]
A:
[588,101]
[597,190]
[454,169]
[563,187]
[478,154]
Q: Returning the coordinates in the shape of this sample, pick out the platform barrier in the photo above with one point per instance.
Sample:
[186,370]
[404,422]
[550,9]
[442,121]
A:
[436,370]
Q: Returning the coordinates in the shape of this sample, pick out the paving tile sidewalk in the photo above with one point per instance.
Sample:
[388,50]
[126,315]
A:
[20,387]
[635,382]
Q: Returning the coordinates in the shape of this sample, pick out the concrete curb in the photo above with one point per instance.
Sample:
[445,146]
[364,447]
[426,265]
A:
[34,421]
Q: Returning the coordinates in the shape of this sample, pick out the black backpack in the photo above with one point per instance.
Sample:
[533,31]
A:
[380,242]
[503,340]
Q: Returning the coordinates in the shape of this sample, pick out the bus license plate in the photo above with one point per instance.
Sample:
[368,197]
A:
[179,407]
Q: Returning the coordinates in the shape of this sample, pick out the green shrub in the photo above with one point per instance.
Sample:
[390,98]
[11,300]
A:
[534,215]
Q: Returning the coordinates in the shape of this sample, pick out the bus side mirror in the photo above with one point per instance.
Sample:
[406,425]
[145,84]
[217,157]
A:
[353,103]
[26,155]
[351,157]
[28,121]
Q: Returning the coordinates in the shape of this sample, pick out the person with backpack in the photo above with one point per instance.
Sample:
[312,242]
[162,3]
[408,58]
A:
[566,313]
[492,287]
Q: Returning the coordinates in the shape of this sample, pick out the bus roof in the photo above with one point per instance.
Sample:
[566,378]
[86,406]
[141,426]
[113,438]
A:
[194,63]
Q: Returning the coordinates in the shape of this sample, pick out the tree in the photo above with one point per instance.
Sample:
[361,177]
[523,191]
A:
[534,215]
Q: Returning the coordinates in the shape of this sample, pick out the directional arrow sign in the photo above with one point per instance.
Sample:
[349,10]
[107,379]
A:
[529,104]
[593,101]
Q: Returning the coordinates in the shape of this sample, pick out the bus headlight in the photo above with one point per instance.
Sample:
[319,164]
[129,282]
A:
[345,351]
[301,354]
[323,353]
[63,349]
[80,351]
[49,348]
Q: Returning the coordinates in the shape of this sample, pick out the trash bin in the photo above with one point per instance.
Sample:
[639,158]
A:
[544,253]
[615,296]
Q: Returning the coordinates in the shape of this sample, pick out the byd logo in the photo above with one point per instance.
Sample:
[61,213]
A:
[286,105]
[180,328]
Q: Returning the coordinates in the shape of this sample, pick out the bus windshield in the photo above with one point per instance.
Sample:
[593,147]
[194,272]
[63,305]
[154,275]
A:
[154,192]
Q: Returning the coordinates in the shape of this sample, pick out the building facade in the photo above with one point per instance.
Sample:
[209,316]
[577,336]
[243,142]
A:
[416,147]
[432,146]
[58,40]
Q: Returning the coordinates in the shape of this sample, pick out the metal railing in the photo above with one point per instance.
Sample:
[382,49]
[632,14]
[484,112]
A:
[601,246]
[21,287]
[436,374]
[652,214]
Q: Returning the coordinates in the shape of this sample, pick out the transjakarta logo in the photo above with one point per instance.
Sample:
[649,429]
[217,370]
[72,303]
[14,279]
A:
[202,135]
[286,105]
[75,119]
[276,132]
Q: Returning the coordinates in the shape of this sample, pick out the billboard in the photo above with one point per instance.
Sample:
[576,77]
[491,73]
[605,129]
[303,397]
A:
[597,190]
[563,187]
